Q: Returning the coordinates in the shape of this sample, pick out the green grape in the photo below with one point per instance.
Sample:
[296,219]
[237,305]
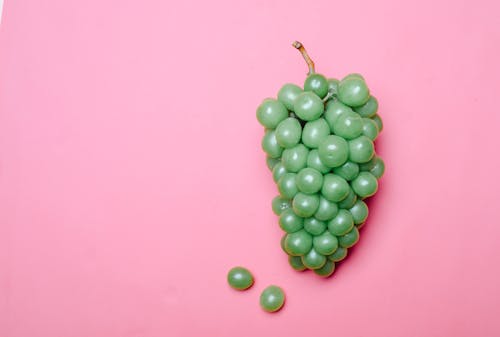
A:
[282,243]
[333,151]
[272,299]
[359,212]
[278,172]
[375,166]
[314,132]
[333,110]
[295,158]
[349,201]
[365,185]
[287,185]
[325,243]
[369,109]
[342,223]
[316,83]
[347,125]
[270,162]
[298,243]
[327,269]
[271,112]
[240,278]
[334,188]
[338,255]
[361,149]
[288,133]
[333,85]
[370,128]
[350,239]
[378,120]
[305,205]
[353,91]
[326,210]
[348,171]
[279,204]
[313,259]
[308,106]
[314,226]
[296,263]
[290,222]
[287,95]
[270,145]
[313,161]
[309,180]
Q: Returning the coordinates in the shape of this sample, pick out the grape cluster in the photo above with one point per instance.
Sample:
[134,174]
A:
[319,143]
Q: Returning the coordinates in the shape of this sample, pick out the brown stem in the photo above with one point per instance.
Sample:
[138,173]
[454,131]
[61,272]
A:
[303,51]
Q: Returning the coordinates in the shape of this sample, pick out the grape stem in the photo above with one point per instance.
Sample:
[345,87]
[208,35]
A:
[304,53]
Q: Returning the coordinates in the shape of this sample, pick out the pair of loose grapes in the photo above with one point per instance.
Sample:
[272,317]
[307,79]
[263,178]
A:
[272,297]
[319,143]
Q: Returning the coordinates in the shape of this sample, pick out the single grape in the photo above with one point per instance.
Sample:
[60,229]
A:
[287,95]
[342,223]
[326,210]
[288,132]
[334,188]
[313,259]
[365,185]
[378,120]
[333,110]
[325,243]
[298,243]
[295,158]
[272,298]
[370,128]
[305,205]
[333,85]
[316,83]
[271,112]
[327,269]
[333,151]
[314,132]
[359,212]
[282,244]
[353,91]
[313,161]
[240,278]
[349,201]
[369,109]
[350,239]
[375,166]
[348,170]
[309,180]
[290,222]
[314,226]
[361,149]
[278,172]
[338,255]
[270,145]
[355,75]
[347,125]
[296,263]
[279,204]
[308,106]
[287,185]
[271,162]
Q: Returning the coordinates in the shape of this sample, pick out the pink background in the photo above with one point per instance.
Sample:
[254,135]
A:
[132,179]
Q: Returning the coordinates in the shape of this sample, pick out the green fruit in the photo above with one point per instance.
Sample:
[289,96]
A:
[378,120]
[309,180]
[350,239]
[359,212]
[334,188]
[333,85]
[313,259]
[308,106]
[287,95]
[369,109]
[365,185]
[272,298]
[290,222]
[295,158]
[313,161]
[316,83]
[370,128]
[240,278]
[326,209]
[314,132]
[347,125]
[348,170]
[327,269]
[349,201]
[271,112]
[333,151]
[296,263]
[270,145]
[305,205]
[361,149]
[375,166]
[342,223]
[298,243]
[333,110]
[288,133]
[338,255]
[279,204]
[353,91]
[325,243]
[271,162]
[287,185]
[278,172]
[314,226]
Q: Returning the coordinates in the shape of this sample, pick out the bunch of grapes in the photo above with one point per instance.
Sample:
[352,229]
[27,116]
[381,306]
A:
[319,142]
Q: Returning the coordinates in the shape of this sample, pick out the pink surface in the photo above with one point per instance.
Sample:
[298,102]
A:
[131,175]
